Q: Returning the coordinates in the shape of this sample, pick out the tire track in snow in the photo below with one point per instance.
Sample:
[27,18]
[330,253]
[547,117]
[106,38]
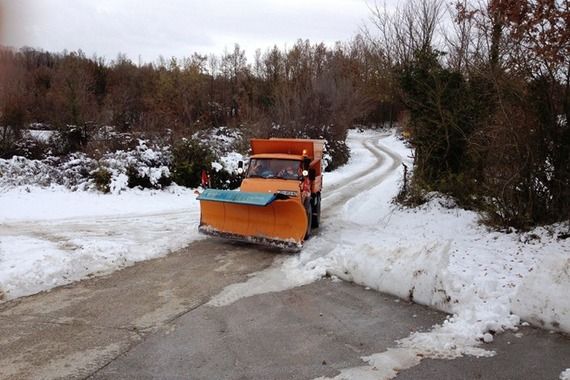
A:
[61,230]
[387,162]
[359,175]
[101,218]
[330,234]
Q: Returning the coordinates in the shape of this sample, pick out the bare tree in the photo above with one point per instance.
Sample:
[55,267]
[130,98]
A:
[400,32]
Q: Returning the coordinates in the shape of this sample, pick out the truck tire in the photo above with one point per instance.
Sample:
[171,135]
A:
[309,211]
[316,208]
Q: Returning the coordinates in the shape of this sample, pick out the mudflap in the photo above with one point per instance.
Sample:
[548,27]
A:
[281,223]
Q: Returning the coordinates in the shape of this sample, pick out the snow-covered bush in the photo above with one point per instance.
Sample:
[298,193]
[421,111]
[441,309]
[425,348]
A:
[219,157]
[102,179]
[68,139]
[223,140]
[144,167]
[189,157]
[114,172]
[72,171]
[336,154]
[31,148]
[147,165]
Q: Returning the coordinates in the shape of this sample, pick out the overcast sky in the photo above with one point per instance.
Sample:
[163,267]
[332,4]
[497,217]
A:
[149,28]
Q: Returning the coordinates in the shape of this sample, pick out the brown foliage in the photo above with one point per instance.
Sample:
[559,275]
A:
[514,58]
[307,90]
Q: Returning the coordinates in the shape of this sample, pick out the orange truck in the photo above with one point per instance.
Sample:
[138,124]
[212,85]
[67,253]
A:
[279,200]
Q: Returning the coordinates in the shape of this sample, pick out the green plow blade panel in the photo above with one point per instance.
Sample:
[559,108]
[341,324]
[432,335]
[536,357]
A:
[229,196]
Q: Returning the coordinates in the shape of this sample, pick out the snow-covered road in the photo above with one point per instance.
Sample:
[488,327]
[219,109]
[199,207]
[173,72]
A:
[54,237]
[385,164]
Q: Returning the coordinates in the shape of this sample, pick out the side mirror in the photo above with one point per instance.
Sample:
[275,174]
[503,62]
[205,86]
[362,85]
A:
[240,167]
[306,163]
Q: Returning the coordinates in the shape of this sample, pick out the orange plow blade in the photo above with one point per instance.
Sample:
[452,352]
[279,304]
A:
[282,223]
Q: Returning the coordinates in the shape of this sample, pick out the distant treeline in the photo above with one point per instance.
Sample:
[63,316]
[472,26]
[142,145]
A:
[309,89]
[481,89]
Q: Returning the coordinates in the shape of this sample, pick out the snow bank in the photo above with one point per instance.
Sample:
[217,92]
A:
[542,298]
[440,256]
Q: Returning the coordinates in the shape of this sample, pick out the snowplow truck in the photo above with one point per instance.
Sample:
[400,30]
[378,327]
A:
[279,200]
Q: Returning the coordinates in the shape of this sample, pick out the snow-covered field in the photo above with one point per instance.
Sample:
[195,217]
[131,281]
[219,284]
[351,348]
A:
[51,237]
[437,255]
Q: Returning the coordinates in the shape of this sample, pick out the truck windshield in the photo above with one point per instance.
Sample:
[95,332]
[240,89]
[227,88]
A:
[273,168]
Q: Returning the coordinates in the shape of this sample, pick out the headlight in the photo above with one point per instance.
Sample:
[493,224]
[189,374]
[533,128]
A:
[305,173]
[240,170]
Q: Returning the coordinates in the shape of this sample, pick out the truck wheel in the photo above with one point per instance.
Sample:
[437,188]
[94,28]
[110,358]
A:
[309,211]
[316,206]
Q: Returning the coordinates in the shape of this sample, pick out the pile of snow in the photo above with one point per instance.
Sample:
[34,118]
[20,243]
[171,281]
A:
[542,297]
[39,132]
[40,135]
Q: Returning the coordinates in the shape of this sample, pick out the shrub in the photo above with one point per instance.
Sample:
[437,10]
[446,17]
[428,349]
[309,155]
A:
[164,181]
[338,153]
[137,179]
[102,179]
[70,138]
[189,157]
[223,179]
[30,148]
